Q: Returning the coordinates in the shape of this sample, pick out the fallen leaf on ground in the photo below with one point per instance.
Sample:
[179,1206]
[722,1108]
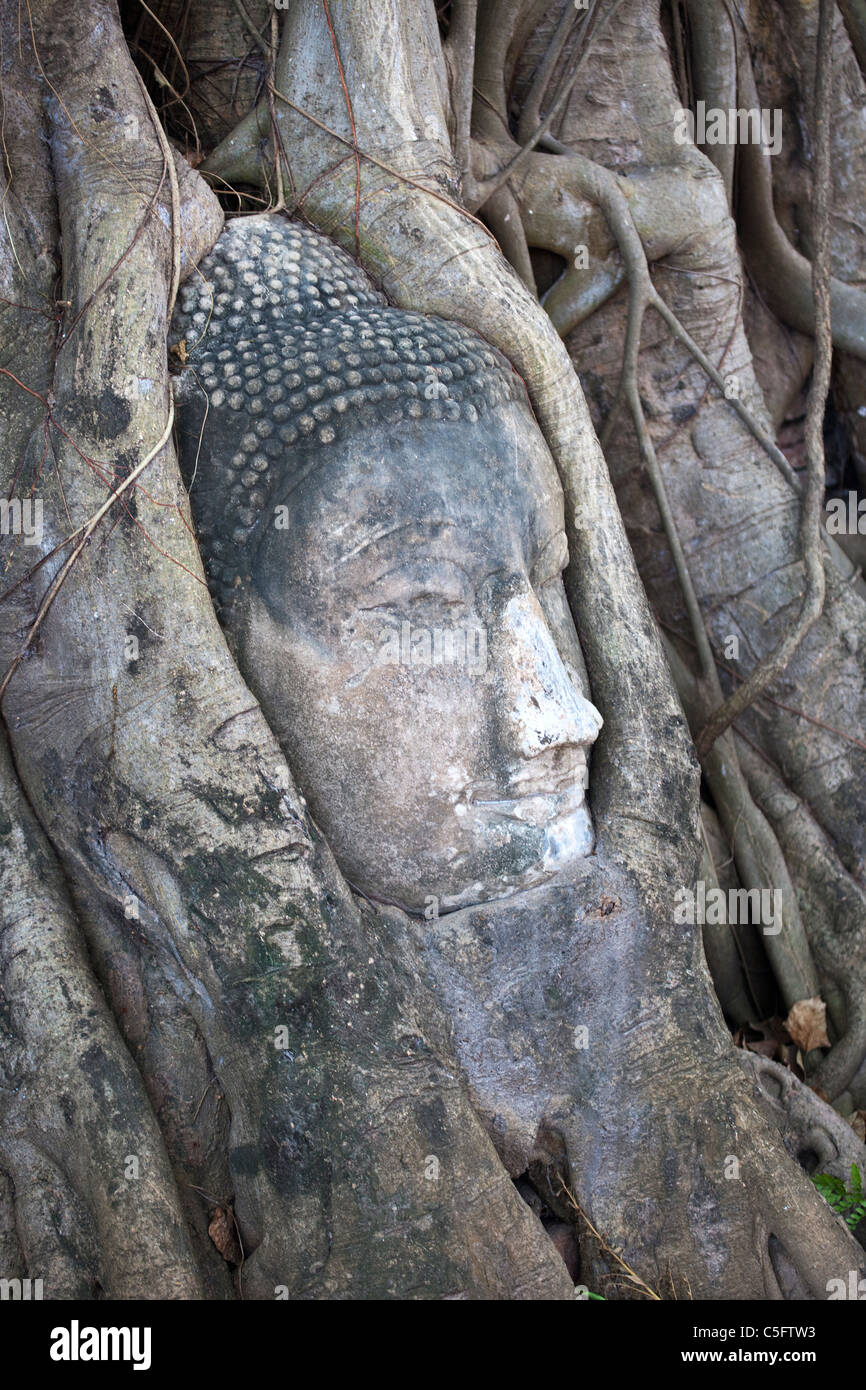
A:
[807,1023]
[769,1038]
[223,1232]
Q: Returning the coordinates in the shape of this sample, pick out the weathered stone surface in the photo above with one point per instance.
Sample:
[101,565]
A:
[384,526]
[294,347]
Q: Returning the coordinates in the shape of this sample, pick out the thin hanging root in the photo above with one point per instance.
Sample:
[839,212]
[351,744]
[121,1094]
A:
[530,116]
[489,186]
[280,202]
[351,115]
[758,856]
[502,215]
[854,15]
[723,958]
[602,187]
[812,606]
[760,860]
[459,51]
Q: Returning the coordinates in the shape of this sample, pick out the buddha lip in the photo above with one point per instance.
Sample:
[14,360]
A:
[547,794]
[563,785]
[510,800]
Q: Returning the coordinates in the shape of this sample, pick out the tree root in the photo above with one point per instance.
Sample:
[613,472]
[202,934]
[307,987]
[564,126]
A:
[722,946]
[782,274]
[811,1130]
[74,1111]
[835,909]
[759,858]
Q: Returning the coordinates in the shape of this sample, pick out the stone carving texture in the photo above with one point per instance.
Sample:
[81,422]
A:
[383,529]
[289,341]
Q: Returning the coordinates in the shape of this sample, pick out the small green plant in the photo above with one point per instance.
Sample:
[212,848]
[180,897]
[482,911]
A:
[849,1202]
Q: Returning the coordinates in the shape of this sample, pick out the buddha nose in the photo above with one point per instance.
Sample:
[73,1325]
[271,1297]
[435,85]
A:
[544,710]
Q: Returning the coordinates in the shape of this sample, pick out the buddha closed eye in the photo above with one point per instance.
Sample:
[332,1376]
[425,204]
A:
[399,613]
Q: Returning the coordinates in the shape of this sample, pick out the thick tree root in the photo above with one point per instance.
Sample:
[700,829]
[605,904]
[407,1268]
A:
[812,1132]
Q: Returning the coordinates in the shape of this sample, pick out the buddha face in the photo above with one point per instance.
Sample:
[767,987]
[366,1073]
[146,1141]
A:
[408,636]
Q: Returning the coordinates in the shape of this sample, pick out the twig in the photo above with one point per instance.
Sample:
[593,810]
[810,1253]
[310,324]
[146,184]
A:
[351,115]
[175,197]
[608,1249]
[251,28]
[280,204]
[55,585]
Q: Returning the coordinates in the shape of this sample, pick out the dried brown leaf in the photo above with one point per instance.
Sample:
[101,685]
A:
[224,1234]
[807,1024]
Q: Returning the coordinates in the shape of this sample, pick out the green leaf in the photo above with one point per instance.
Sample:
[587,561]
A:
[829,1186]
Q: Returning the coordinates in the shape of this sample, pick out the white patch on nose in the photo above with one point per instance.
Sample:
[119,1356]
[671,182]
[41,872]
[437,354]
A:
[548,712]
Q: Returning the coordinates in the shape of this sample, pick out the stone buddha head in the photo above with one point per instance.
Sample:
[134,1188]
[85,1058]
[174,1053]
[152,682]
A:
[383,531]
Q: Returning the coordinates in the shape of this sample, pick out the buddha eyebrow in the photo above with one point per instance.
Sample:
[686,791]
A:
[390,532]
